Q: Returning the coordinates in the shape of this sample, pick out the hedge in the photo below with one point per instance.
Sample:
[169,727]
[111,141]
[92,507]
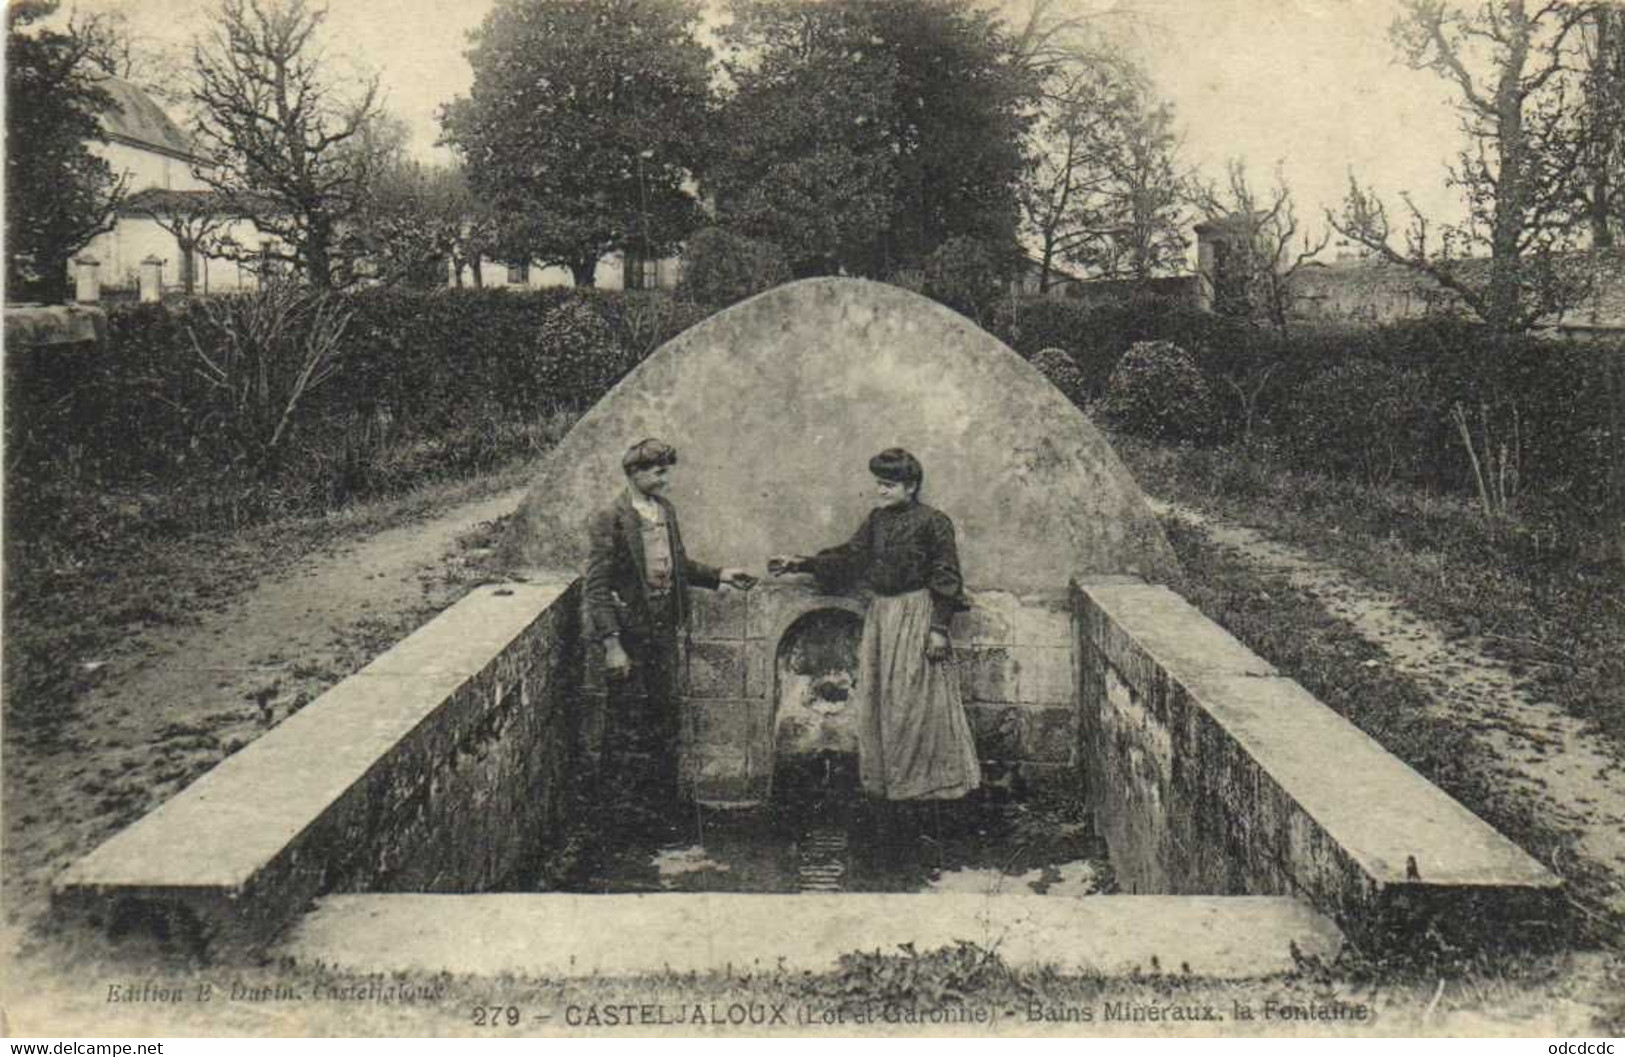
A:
[184,412]
[441,383]
[1391,418]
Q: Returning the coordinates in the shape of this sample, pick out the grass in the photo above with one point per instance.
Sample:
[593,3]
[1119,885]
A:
[1292,630]
[79,587]
[960,989]
[1533,592]
[1556,617]
[166,580]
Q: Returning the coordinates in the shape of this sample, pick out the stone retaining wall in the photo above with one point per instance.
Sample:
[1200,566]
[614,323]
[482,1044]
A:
[440,767]
[1014,654]
[1210,772]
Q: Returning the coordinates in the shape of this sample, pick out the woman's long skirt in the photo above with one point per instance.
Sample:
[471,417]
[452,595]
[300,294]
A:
[914,742]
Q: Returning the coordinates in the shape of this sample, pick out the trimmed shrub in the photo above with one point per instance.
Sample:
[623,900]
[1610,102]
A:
[721,267]
[1158,392]
[1063,373]
[574,357]
[1360,418]
[966,275]
[195,415]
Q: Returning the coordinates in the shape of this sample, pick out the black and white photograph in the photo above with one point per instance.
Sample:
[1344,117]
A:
[814,519]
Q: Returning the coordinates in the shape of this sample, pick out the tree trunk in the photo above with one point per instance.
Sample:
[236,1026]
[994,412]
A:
[319,254]
[188,251]
[52,287]
[1602,233]
[1616,471]
[584,271]
[1502,297]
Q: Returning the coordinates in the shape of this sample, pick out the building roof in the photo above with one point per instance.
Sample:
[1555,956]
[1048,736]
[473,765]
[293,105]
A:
[1230,224]
[136,121]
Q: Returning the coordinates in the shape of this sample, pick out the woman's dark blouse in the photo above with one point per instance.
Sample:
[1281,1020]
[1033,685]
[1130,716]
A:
[897,550]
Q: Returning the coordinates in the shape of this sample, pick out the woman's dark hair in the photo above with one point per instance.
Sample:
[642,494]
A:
[895,464]
[647,453]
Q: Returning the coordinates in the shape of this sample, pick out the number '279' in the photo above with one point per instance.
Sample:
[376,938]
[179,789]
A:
[496,1016]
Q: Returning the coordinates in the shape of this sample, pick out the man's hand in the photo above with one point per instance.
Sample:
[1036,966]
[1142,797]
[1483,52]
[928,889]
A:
[617,665]
[783,564]
[738,578]
[936,647]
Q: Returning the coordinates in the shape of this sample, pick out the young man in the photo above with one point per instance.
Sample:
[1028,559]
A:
[636,589]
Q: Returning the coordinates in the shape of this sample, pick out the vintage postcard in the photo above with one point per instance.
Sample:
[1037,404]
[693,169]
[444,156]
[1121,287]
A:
[1002,518]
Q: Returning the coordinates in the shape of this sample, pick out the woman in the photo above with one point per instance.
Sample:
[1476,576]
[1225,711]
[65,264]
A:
[914,742]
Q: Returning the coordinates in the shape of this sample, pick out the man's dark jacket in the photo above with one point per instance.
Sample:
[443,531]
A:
[616,592]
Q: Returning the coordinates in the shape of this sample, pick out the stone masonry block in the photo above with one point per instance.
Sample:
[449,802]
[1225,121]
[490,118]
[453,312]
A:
[716,669]
[1048,734]
[987,622]
[1043,674]
[761,734]
[997,730]
[987,674]
[1041,621]
[718,614]
[760,658]
[719,726]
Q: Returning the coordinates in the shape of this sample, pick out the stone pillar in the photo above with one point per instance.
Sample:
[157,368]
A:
[152,279]
[87,280]
[1206,270]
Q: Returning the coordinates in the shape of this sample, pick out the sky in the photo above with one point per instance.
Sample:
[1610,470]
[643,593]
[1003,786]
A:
[1309,84]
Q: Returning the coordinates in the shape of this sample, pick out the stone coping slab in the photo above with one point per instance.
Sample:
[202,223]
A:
[557,935]
[44,325]
[1399,828]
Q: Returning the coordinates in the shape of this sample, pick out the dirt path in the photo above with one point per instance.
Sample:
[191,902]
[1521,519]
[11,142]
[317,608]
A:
[172,702]
[1547,757]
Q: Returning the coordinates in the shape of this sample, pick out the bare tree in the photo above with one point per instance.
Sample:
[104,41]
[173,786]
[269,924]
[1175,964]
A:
[1103,190]
[1064,196]
[419,220]
[1262,249]
[1147,193]
[1515,73]
[293,149]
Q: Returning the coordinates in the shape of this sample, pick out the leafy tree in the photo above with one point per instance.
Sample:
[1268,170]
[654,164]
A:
[584,124]
[418,220]
[290,147]
[1260,251]
[1514,72]
[863,134]
[802,157]
[59,194]
[965,274]
[721,267]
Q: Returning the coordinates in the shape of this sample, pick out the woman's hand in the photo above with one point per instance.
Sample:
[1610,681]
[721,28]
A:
[936,647]
[617,665]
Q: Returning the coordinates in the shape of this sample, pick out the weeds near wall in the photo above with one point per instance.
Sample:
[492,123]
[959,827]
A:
[259,357]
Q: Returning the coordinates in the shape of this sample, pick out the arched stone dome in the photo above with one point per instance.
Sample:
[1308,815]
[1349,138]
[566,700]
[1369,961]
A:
[776,404]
